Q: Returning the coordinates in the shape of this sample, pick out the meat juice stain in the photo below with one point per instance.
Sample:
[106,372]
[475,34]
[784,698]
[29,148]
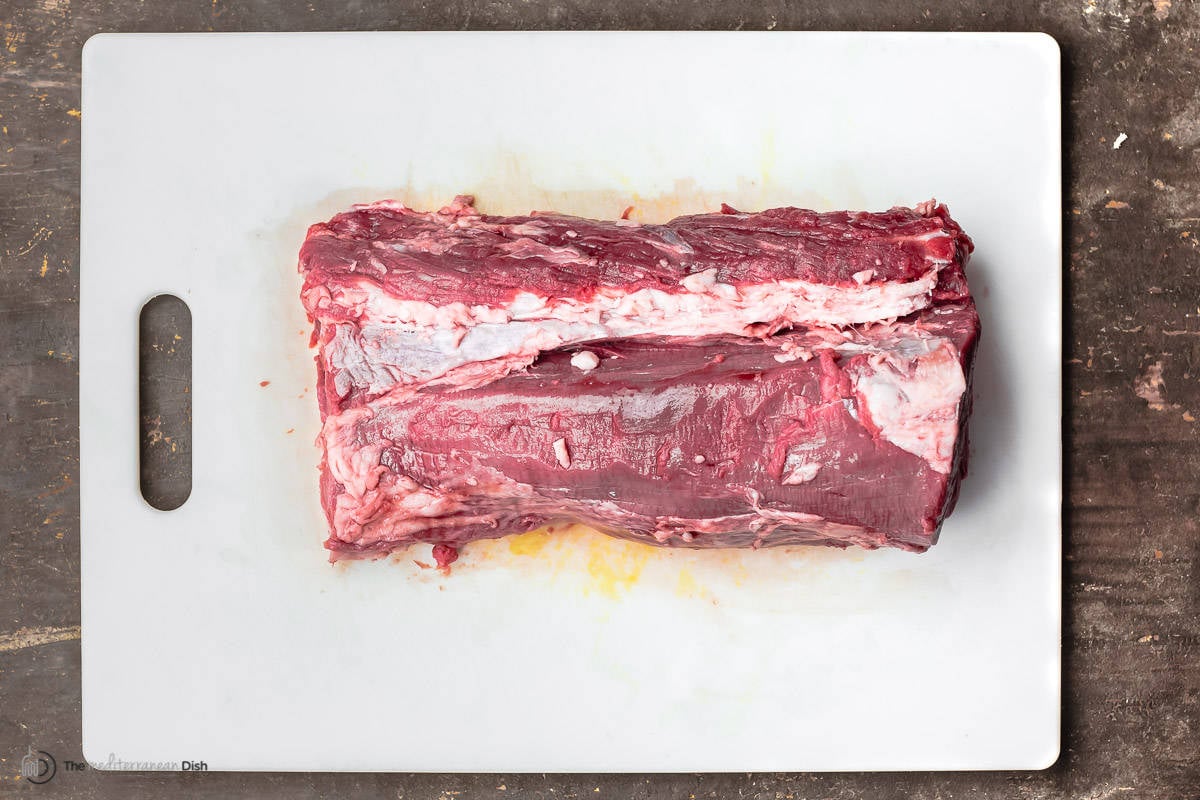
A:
[575,559]
[508,183]
[597,565]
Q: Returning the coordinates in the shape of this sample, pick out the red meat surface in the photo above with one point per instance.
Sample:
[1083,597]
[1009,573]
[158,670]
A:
[723,380]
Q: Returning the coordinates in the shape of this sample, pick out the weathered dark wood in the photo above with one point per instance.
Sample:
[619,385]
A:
[1132,222]
[165,402]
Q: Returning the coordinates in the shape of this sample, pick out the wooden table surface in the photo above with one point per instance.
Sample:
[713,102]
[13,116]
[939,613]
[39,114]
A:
[1132,381]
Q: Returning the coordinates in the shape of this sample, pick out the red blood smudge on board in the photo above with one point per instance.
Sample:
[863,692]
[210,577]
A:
[444,555]
[264,383]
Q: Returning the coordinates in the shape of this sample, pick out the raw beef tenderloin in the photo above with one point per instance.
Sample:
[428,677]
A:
[723,380]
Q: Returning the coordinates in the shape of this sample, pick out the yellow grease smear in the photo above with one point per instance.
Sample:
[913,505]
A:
[614,565]
[579,559]
[529,544]
[686,585]
[572,555]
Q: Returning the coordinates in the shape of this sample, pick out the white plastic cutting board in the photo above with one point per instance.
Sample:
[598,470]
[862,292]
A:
[218,632]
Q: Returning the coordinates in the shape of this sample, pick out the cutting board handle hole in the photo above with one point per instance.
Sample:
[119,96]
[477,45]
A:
[165,402]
